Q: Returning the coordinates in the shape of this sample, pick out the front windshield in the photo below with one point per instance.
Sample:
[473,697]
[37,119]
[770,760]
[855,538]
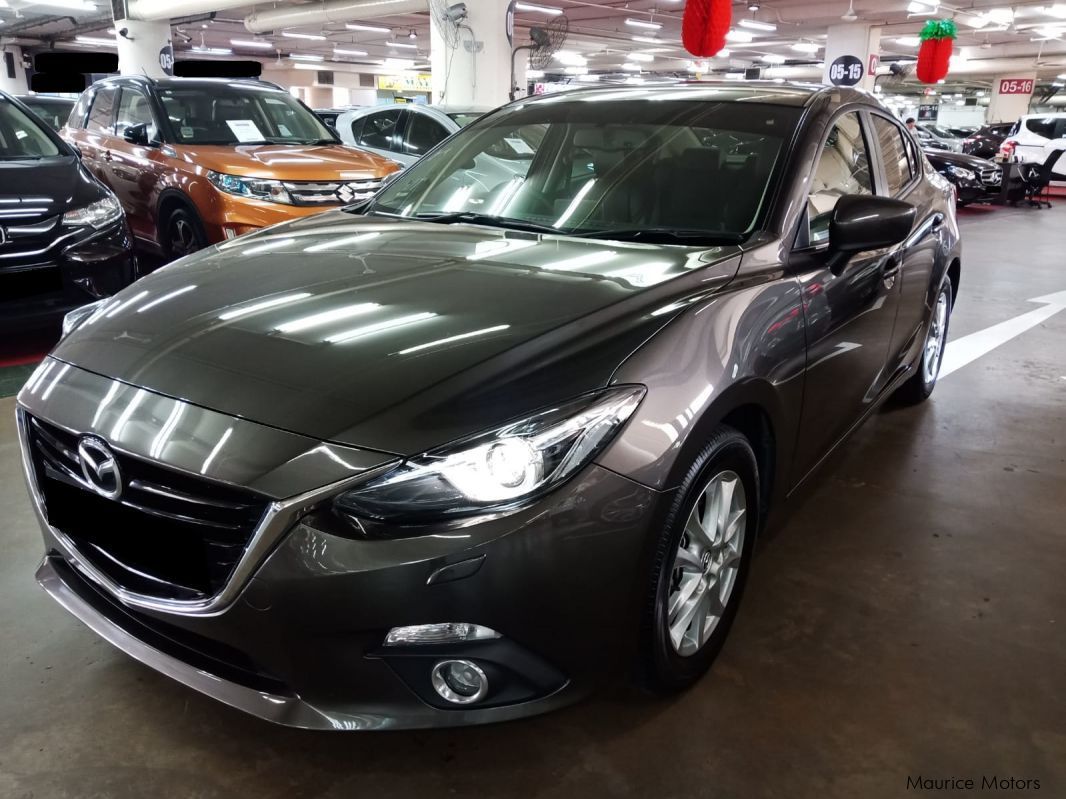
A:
[661,162]
[21,135]
[229,113]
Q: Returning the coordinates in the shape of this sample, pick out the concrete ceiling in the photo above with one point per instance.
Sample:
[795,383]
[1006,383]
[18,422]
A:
[994,37]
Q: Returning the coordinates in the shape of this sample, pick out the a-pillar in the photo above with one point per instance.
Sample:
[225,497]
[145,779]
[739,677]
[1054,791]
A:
[145,49]
[477,70]
[12,75]
[853,49]
[1011,95]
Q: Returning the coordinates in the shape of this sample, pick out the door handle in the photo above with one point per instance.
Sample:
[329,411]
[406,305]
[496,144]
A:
[891,266]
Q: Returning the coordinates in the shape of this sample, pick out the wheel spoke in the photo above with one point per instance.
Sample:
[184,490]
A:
[725,508]
[688,560]
[697,530]
[688,587]
[679,627]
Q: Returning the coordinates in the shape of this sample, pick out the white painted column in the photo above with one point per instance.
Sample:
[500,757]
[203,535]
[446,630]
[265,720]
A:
[146,49]
[1009,100]
[478,70]
[16,83]
[845,43]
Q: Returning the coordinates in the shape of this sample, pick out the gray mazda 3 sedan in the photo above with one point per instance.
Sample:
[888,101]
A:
[461,454]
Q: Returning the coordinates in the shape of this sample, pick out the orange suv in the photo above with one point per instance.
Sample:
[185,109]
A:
[196,161]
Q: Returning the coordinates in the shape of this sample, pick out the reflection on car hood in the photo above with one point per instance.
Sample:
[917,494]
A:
[390,335]
[289,161]
[958,159]
[33,189]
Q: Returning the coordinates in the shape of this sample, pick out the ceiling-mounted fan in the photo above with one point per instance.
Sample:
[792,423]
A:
[850,15]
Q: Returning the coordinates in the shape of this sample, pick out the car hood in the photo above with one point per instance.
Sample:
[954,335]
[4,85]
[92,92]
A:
[289,161]
[387,334]
[958,159]
[36,189]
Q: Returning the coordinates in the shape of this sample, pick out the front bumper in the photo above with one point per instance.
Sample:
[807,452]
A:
[37,291]
[301,641]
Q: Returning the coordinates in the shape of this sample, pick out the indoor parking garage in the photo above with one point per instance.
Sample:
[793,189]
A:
[660,398]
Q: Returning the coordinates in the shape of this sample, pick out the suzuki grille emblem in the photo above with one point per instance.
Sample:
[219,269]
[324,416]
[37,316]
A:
[99,467]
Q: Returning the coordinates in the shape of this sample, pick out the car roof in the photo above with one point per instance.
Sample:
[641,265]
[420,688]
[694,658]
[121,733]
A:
[44,98]
[205,82]
[762,91]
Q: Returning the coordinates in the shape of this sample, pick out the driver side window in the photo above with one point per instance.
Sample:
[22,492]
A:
[843,168]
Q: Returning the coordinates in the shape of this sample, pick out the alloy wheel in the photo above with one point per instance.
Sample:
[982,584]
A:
[934,342]
[707,563]
[182,237]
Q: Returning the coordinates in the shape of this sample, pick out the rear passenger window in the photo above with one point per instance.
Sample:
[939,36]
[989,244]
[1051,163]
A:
[1041,126]
[843,168]
[102,115]
[894,153]
[357,128]
[423,134]
[378,130]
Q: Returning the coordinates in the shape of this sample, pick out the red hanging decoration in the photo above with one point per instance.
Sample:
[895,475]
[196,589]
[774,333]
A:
[704,26]
[934,56]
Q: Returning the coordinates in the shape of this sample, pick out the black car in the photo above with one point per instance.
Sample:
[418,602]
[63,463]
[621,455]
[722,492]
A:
[64,240]
[53,110]
[463,453]
[986,141]
[975,179]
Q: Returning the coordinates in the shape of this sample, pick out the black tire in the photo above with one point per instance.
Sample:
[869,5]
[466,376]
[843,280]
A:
[182,233]
[921,384]
[664,668]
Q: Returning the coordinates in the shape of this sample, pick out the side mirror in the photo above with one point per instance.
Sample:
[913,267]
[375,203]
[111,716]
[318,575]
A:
[136,134]
[864,222]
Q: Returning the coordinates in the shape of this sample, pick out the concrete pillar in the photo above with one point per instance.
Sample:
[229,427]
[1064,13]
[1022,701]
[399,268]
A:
[146,49]
[1011,95]
[477,71]
[15,81]
[853,49]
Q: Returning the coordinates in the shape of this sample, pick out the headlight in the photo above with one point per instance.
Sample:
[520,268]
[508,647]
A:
[79,315]
[99,214]
[498,469]
[257,188]
[962,172]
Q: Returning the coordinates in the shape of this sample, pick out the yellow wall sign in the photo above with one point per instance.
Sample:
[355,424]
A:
[421,82]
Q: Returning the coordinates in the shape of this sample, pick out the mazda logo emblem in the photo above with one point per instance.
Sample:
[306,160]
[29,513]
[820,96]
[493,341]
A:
[99,467]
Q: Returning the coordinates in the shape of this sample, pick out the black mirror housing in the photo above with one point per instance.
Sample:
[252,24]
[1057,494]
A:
[136,134]
[863,222]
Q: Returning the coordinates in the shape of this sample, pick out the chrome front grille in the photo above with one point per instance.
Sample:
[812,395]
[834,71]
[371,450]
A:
[167,534]
[332,192]
[991,175]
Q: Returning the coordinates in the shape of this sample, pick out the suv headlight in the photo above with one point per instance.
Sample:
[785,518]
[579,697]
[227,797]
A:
[962,172]
[498,469]
[257,188]
[98,214]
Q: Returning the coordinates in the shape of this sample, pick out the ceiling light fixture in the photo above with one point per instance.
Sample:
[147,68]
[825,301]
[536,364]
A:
[639,23]
[355,26]
[94,41]
[306,57]
[403,45]
[312,36]
[646,39]
[755,25]
[908,41]
[345,51]
[640,57]
[73,5]
[549,10]
[772,58]
[806,47]
[212,50]
[252,43]
[739,36]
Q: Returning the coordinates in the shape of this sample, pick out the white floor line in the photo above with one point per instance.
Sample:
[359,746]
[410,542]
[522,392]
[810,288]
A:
[967,349]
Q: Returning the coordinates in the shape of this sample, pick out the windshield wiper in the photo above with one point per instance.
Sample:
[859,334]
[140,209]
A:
[486,219]
[662,235]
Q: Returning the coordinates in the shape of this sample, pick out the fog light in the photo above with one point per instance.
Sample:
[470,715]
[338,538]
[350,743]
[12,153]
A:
[460,681]
[447,633]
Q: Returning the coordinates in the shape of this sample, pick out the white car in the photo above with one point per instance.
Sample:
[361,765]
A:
[1035,138]
[405,132]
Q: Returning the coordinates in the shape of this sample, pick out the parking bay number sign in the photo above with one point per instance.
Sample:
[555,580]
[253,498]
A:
[846,71]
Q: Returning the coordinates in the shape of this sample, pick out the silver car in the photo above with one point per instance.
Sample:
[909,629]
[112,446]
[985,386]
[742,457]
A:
[403,133]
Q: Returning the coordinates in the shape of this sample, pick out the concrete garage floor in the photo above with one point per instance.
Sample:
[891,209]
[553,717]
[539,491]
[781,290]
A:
[907,618]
